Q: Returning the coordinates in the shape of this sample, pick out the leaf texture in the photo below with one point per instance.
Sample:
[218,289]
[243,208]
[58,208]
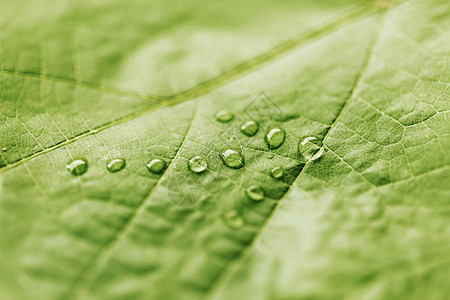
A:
[98,81]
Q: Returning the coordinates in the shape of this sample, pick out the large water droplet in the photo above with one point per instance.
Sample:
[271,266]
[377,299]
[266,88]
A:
[197,164]
[116,165]
[255,193]
[77,167]
[310,148]
[318,154]
[224,116]
[249,128]
[233,220]
[156,165]
[275,137]
[4,149]
[277,172]
[232,159]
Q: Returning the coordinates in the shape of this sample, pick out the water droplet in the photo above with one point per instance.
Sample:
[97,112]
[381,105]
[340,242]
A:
[156,165]
[232,159]
[116,165]
[277,172]
[233,220]
[249,128]
[318,154]
[310,147]
[275,137]
[270,156]
[255,193]
[77,167]
[4,149]
[224,116]
[197,164]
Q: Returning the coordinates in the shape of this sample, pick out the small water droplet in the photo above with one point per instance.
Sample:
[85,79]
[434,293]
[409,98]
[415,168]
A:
[310,147]
[156,165]
[275,137]
[277,172]
[233,220]
[116,165]
[77,167]
[197,164]
[4,149]
[255,193]
[232,159]
[249,128]
[270,156]
[224,116]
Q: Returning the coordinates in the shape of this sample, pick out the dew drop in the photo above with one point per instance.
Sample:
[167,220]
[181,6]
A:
[270,156]
[116,165]
[318,154]
[4,149]
[197,164]
[233,220]
[277,172]
[77,167]
[249,128]
[310,148]
[156,165]
[275,137]
[255,193]
[232,159]
[224,116]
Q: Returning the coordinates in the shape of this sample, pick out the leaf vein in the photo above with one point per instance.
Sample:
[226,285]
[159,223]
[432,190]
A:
[375,35]
[189,94]
[83,282]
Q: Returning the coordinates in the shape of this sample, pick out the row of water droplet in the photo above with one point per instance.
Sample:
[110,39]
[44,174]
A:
[309,147]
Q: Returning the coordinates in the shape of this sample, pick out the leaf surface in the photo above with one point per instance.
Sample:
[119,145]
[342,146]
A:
[367,220]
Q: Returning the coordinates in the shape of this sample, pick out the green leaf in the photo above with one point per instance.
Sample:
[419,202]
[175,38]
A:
[366,218]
